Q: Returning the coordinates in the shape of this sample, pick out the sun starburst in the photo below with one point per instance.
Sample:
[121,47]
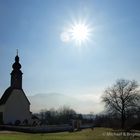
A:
[80,33]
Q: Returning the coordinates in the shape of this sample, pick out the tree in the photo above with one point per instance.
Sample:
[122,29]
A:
[122,99]
[66,114]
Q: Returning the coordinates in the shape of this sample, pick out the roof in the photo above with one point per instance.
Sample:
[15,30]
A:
[7,94]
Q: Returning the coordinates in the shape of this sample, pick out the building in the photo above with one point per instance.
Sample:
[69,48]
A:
[14,105]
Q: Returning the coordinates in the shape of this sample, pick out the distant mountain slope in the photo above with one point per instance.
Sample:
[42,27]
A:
[56,100]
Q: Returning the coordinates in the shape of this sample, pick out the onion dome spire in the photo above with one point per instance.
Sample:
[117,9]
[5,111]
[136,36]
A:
[16,74]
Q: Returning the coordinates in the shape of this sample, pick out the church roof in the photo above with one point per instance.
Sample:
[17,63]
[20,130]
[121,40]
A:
[7,94]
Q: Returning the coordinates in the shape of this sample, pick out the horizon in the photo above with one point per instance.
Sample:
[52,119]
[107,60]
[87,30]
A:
[52,62]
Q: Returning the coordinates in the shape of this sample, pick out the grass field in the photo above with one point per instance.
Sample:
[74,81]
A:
[88,134]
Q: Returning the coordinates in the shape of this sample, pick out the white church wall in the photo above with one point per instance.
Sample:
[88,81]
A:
[17,108]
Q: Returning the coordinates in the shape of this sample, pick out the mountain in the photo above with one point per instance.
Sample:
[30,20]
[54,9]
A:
[56,100]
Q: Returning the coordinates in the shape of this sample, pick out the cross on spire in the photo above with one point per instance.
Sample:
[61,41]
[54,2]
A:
[17,51]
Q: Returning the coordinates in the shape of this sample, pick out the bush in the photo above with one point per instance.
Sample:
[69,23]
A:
[17,122]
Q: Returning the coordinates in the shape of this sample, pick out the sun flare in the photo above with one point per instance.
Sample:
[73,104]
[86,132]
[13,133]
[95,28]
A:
[80,33]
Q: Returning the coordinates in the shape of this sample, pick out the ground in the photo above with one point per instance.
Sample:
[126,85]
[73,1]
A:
[87,134]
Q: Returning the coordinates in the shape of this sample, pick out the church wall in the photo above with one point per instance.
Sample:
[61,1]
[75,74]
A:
[1,113]
[1,108]
[17,107]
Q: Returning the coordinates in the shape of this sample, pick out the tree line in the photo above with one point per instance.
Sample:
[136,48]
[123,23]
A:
[53,116]
[63,115]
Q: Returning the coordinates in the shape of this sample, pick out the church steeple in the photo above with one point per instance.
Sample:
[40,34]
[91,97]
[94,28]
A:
[16,74]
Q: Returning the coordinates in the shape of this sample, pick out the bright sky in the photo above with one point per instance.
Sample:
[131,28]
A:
[51,64]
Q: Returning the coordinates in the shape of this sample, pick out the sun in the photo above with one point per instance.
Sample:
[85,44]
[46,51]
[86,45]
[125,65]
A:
[80,33]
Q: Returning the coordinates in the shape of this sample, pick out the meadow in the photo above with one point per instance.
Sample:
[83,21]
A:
[87,134]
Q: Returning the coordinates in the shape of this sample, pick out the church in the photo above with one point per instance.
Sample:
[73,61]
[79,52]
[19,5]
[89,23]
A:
[14,104]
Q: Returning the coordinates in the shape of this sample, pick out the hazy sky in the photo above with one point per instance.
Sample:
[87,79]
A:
[52,65]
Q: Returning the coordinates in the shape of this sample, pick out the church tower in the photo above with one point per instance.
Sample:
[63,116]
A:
[16,74]
[14,104]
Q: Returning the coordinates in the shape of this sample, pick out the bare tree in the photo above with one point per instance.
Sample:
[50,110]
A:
[122,99]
